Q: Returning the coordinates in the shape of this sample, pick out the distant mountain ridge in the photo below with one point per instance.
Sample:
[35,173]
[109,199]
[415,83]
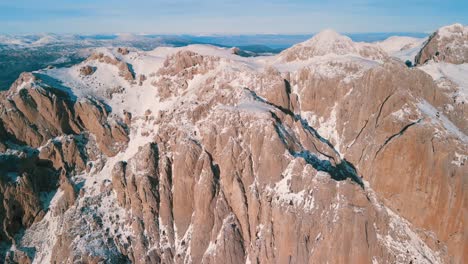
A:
[275,41]
[32,52]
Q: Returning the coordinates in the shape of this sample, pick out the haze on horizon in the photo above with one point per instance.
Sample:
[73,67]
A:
[228,17]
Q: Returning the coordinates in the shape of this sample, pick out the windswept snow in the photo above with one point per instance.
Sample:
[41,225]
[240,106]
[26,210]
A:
[457,73]
[452,30]
[436,117]
[398,43]
[403,48]
[43,235]
[328,129]
[401,238]
[330,66]
[460,159]
[404,242]
[284,195]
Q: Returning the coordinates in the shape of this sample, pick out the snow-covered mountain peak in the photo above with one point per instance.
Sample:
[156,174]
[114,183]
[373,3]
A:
[330,43]
[327,36]
[448,44]
[452,31]
[44,40]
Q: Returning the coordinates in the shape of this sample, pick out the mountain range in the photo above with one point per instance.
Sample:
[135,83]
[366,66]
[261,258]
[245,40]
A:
[329,151]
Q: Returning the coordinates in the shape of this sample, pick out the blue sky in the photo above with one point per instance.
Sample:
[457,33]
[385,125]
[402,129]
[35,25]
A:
[227,16]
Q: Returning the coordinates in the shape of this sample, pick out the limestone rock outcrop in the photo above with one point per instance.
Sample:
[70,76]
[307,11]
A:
[448,44]
[26,183]
[123,51]
[93,115]
[38,113]
[394,119]
[328,152]
[86,70]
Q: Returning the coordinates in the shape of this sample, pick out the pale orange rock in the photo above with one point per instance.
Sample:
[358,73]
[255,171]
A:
[338,161]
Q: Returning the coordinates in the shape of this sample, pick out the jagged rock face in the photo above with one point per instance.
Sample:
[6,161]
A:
[182,67]
[136,185]
[25,183]
[57,127]
[93,115]
[222,159]
[380,133]
[448,44]
[33,115]
[36,114]
[235,217]
[18,256]
[65,153]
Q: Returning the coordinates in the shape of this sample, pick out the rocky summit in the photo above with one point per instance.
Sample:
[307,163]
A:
[332,151]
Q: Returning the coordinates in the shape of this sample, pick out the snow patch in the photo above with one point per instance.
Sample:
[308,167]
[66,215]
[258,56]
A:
[284,196]
[405,243]
[403,48]
[460,159]
[327,128]
[457,73]
[440,119]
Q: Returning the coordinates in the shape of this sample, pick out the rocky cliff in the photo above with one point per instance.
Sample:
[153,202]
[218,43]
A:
[332,151]
[447,44]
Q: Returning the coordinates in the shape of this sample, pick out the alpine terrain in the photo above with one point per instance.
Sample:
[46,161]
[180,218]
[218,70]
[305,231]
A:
[332,151]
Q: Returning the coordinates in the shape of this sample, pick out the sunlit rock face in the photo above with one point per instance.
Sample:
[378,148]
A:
[448,44]
[332,151]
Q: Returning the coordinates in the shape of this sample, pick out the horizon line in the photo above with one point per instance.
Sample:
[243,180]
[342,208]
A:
[210,34]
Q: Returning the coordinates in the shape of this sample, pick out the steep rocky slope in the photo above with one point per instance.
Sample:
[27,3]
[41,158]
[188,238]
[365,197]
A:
[448,44]
[332,151]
